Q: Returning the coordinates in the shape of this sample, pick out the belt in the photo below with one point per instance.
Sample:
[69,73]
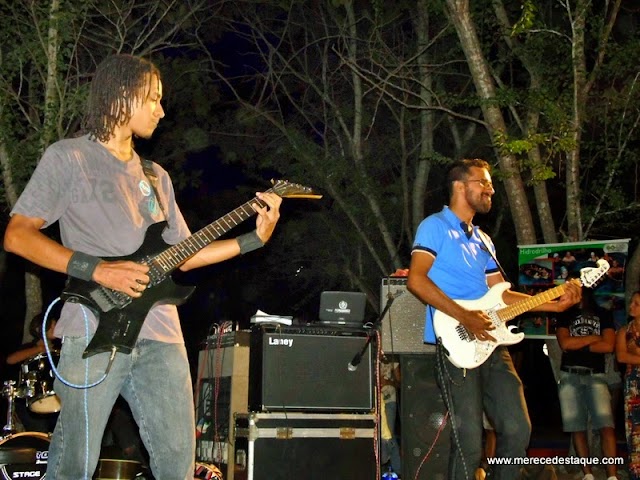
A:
[579,370]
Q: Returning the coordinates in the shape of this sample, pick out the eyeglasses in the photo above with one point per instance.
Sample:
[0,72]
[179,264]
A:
[484,183]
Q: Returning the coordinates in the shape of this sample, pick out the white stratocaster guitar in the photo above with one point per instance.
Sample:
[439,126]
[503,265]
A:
[466,351]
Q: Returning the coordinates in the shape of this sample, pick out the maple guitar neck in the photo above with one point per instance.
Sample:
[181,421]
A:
[512,311]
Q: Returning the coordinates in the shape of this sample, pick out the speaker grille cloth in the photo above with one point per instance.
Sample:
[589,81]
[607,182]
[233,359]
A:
[402,328]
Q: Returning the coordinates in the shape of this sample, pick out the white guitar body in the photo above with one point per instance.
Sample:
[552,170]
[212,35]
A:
[464,350]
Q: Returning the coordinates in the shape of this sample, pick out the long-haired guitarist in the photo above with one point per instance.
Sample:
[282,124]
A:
[453,260]
[105,199]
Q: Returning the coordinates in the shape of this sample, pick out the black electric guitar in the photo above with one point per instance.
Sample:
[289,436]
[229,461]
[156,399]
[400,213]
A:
[120,317]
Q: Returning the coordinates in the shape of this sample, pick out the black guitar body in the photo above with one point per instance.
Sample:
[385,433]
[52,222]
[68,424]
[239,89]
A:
[120,317]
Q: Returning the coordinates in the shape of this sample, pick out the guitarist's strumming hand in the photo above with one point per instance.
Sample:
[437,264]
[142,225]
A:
[122,275]
[478,323]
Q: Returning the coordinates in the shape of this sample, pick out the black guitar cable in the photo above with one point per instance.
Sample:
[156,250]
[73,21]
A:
[445,382]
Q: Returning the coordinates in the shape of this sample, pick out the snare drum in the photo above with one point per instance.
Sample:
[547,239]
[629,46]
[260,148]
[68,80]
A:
[36,383]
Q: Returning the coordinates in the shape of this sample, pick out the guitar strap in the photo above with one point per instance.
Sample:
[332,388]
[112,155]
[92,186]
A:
[487,249]
[147,167]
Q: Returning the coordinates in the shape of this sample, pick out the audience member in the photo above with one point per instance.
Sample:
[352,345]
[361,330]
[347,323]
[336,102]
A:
[585,333]
[628,352]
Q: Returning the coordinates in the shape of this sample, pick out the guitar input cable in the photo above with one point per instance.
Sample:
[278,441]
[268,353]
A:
[112,356]
[86,385]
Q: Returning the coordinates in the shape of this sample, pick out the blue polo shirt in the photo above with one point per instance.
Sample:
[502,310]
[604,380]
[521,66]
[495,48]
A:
[461,264]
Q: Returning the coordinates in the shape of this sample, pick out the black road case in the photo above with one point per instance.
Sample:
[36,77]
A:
[309,446]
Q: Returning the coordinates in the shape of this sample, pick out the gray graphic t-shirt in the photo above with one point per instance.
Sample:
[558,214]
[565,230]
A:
[104,207]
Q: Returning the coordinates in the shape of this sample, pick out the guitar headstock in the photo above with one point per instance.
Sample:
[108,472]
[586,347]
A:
[589,276]
[286,189]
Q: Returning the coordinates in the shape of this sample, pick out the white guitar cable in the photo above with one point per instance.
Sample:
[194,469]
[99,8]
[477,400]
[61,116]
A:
[86,330]
[86,385]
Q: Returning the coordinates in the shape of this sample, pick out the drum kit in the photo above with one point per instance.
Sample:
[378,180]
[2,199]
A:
[24,454]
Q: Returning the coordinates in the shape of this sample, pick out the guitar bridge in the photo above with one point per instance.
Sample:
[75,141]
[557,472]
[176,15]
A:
[465,334]
[107,299]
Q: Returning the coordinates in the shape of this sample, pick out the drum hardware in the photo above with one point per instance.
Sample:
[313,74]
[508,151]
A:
[36,384]
[9,392]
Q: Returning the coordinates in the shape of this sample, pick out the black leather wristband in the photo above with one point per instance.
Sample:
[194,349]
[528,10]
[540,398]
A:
[249,242]
[82,266]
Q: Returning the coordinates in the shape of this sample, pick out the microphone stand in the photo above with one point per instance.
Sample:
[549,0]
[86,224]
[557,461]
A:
[353,365]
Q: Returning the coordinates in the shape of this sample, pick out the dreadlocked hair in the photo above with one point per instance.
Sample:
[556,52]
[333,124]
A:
[120,81]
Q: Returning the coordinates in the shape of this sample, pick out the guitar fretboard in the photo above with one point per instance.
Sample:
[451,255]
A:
[173,256]
[588,277]
[512,311]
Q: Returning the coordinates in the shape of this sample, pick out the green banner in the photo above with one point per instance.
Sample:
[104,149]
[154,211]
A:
[544,266]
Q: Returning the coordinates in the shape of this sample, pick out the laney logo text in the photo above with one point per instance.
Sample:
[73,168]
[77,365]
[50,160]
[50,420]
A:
[285,342]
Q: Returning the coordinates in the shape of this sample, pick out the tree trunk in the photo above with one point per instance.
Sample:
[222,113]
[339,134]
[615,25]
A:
[460,16]
[356,142]
[632,278]
[33,294]
[574,216]
[51,99]
[423,166]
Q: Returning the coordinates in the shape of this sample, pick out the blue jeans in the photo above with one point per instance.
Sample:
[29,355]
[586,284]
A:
[154,379]
[495,388]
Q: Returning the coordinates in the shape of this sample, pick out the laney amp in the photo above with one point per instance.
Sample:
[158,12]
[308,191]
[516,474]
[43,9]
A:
[307,369]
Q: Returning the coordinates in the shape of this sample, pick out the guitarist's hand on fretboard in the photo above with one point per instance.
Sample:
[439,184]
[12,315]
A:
[571,296]
[123,276]
[267,216]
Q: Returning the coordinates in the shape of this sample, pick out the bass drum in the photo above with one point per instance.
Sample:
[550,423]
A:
[24,455]
[37,441]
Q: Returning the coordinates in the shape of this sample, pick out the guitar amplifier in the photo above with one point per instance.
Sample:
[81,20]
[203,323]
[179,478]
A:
[221,392]
[402,328]
[307,369]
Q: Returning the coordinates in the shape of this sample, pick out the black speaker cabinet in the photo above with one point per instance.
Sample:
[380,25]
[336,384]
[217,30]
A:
[306,369]
[422,411]
[309,446]
[402,328]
